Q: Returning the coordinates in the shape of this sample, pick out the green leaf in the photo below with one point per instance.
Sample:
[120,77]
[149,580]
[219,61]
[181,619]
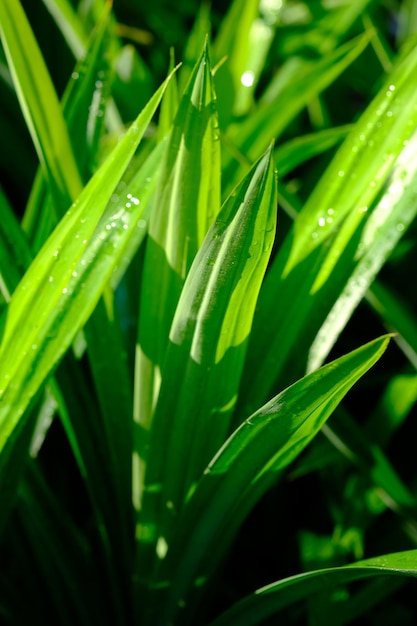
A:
[296,84]
[83,107]
[39,103]
[70,25]
[245,467]
[299,150]
[338,242]
[207,347]
[268,601]
[234,45]
[186,203]
[76,261]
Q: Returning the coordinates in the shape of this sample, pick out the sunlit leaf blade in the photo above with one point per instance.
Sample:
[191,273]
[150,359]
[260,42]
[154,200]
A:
[208,340]
[390,219]
[344,232]
[65,281]
[39,103]
[247,465]
[267,601]
[303,81]
[233,44]
[186,203]
[169,104]
[83,107]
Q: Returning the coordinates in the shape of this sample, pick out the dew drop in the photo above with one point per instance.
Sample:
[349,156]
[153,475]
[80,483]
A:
[75,75]
[322,221]
[340,173]
[51,279]
[247,79]
[125,226]
[400,227]
[142,224]
[65,290]
[74,274]
[56,252]
[108,227]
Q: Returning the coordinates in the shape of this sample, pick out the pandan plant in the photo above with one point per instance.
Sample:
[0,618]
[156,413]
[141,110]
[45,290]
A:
[195,271]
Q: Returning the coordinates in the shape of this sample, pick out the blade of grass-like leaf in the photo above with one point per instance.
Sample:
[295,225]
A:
[386,225]
[169,104]
[207,347]
[337,238]
[187,201]
[70,25]
[267,601]
[39,103]
[65,562]
[299,150]
[43,319]
[83,107]
[306,80]
[233,43]
[394,407]
[244,468]
[87,430]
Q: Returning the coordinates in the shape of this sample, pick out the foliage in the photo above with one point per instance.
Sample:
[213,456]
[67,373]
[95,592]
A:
[173,321]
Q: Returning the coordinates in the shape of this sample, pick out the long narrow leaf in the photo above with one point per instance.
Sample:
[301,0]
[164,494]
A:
[269,600]
[35,335]
[208,340]
[245,467]
[39,103]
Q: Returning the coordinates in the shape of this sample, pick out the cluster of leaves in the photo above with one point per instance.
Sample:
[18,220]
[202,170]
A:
[161,370]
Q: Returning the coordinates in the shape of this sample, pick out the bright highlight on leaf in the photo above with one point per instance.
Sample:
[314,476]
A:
[199,277]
